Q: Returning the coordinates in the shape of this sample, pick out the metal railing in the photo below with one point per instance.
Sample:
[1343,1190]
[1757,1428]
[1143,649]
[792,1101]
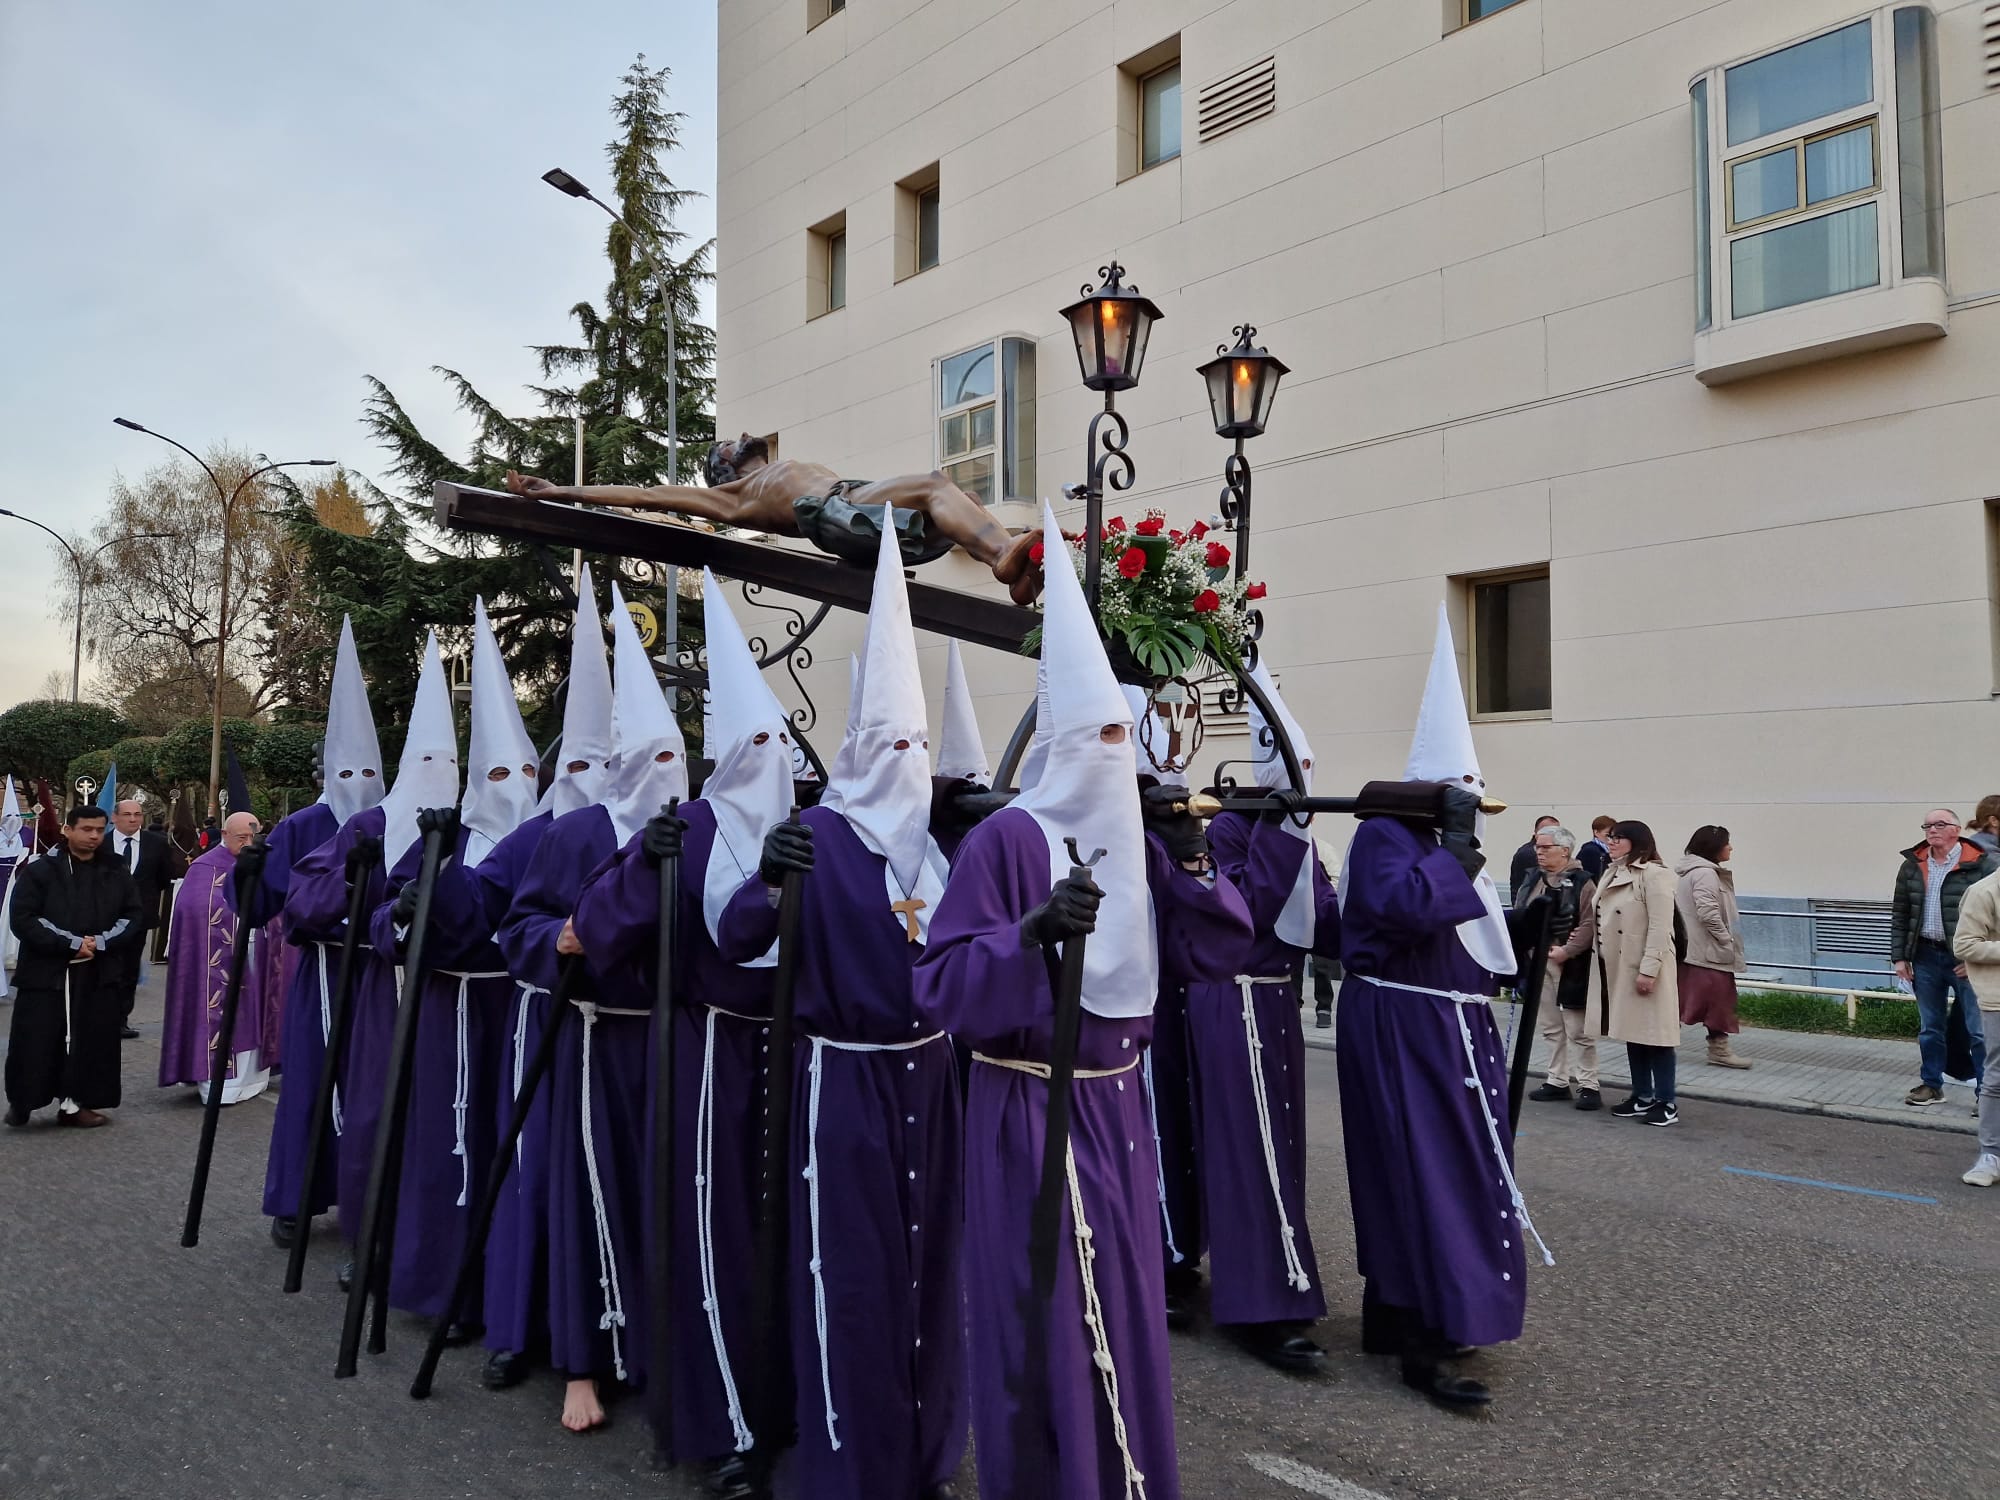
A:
[1850,996]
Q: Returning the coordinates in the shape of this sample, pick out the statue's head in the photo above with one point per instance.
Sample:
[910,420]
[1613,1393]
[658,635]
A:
[733,458]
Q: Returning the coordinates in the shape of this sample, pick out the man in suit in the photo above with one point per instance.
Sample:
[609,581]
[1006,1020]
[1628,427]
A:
[155,865]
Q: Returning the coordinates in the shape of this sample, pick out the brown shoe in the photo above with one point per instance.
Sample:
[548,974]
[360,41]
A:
[84,1119]
[1719,1055]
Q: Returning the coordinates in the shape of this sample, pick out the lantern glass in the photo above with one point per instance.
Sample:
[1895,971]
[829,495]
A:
[1112,328]
[1242,384]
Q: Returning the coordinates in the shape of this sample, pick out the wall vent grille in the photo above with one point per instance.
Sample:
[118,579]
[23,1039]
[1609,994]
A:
[1243,96]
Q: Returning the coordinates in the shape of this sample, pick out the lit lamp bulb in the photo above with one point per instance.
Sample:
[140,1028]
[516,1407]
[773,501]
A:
[1114,348]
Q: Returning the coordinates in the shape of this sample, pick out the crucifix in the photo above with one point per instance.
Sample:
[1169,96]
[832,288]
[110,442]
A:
[907,910]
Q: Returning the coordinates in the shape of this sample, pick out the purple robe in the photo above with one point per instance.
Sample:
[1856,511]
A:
[1167,1070]
[1435,1229]
[596,1120]
[978,980]
[1251,1278]
[887,1160]
[450,1134]
[316,911]
[200,957]
[719,1055]
[303,1018]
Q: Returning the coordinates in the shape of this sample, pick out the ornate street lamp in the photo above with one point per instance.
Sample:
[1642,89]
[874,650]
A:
[1112,324]
[1242,383]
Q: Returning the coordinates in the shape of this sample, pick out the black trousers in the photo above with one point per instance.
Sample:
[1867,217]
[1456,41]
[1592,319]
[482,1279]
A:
[128,959]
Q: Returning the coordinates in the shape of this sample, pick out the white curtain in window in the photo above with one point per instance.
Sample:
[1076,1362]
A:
[1840,164]
[1803,262]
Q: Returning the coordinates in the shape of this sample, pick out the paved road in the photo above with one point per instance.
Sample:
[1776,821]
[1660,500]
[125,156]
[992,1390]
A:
[1704,1334]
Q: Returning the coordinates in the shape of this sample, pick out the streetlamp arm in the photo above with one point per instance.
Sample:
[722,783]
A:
[220,493]
[61,542]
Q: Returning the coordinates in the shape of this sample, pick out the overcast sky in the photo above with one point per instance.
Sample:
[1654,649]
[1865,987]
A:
[221,214]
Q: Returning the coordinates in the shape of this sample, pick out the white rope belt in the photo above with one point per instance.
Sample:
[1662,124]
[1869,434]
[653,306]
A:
[462,1082]
[613,1317]
[1295,1267]
[326,1032]
[1459,1001]
[819,1046]
[704,1201]
[1086,1257]
[1159,1157]
[528,993]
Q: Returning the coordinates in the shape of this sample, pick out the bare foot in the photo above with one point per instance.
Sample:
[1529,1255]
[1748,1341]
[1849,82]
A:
[582,1411]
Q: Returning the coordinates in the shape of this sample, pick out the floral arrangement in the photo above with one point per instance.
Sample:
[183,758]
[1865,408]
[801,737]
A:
[1166,596]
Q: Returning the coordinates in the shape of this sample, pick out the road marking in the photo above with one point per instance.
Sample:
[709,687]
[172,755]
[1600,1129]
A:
[1303,1477]
[1835,1187]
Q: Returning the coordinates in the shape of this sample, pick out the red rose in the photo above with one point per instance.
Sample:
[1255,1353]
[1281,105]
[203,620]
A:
[1207,602]
[1133,563]
[1177,537]
[1198,530]
[1151,526]
[1218,555]
[1116,523]
[1035,554]
[1255,591]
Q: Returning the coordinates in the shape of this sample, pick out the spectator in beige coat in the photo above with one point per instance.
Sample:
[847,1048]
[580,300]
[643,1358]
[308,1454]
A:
[1635,948]
[1976,944]
[1706,897]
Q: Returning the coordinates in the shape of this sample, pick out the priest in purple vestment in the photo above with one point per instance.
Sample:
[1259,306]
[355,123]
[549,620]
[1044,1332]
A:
[720,1052]
[1096,1422]
[878,1328]
[1249,1085]
[1439,1224]
[351,781]
[200,956]
[597,1100]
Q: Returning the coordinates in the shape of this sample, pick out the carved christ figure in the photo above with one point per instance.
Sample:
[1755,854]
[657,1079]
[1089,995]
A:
[841,516]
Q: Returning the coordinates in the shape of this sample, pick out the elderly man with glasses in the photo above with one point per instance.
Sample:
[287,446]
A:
[1923,919]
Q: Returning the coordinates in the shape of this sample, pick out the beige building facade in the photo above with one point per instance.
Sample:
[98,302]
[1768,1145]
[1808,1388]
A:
[1660,340]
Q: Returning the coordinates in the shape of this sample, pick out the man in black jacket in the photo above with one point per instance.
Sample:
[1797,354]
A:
[154,864]
[76,914]
[1923,917]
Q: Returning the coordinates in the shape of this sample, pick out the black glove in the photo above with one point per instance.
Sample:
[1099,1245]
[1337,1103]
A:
[1458,815]
[787,847]
[366,853]
[662,839]
[1181,831]
[440,820]
[949,813]
[250,859]
[405,910]
[1070,911]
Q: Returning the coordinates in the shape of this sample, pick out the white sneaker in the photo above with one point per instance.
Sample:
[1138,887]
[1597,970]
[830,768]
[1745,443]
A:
[1985,1172]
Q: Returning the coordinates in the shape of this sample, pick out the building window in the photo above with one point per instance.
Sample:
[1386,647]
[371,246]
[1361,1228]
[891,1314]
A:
[1509,644]
[1479,10]
[918,226]
[1149,108]
[1817,176]
[819,10]
[826,266]
[986,419]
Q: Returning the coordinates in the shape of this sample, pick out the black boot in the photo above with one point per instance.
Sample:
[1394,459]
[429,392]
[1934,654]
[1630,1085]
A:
[284,1230]
[728,1479]
[1423,1370]
[504,1368]
[1282,1346]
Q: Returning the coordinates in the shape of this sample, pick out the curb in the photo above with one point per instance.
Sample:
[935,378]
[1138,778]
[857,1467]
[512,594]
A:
[1904,1117]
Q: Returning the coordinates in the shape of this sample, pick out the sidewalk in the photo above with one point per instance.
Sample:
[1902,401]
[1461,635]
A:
[1849,1078]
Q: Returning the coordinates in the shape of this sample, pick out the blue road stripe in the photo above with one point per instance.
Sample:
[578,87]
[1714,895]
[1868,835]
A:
[1835,1187]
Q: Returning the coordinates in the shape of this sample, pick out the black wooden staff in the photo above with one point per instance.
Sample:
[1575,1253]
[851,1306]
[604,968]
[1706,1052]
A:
[1530,1003]
[373,1248]
[659,1335]
[768,1335]
[361,860]
[533,1074]
[223,1049]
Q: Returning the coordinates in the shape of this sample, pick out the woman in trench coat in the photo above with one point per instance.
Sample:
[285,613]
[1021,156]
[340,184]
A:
[1635,946]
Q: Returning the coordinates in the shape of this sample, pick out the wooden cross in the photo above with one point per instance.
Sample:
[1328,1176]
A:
[908,911]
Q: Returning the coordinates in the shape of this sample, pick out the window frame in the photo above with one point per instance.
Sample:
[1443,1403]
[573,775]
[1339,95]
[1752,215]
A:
[1467,18]
[1798,146]
[836,254]
[1472,583]
[1146,79]
[1004,400]
[821,242]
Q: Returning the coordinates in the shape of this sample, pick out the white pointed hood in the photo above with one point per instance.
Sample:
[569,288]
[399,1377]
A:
[499,747]
[961,756]
[885,792]
[1442,750]
[1297,921]
[10,823]
[427,775]
[586,731]
[1036,757]
[1089,791]
[750,788]
[643,730]
[351,756]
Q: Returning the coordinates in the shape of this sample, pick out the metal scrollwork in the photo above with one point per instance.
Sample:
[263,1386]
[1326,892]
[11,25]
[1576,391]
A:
[793,651]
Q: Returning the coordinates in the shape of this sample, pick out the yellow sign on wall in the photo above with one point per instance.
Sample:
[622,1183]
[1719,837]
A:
[647,623]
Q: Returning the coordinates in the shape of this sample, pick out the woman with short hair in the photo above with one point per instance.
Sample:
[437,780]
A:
[1635,951]
[1706,972]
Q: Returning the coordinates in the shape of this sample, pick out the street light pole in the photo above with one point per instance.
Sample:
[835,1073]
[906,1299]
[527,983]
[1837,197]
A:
[229,499]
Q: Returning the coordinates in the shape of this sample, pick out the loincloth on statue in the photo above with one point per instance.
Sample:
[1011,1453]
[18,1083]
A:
[853,533]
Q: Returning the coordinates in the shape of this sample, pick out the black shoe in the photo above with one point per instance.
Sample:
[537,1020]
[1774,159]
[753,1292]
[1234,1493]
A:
[728,1479]
[284,1230]
[1180,1311]
[1633,1108]
[1663,1113]
[129,1033]
[344,1277]
[1548,1093]
[506,1368]
[1323,1019]
[1280,1346]
[1589,1099]
[1445,1388]
[16,1116]
[463,1333]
